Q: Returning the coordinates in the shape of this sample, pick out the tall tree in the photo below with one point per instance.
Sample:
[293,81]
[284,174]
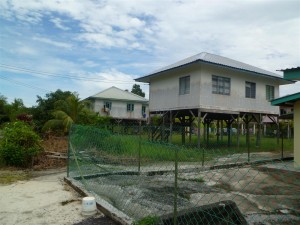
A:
[136,89]
[3,109]
[43,111]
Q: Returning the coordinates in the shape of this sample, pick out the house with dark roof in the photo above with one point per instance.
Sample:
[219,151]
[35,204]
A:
[211,87]
[120,105]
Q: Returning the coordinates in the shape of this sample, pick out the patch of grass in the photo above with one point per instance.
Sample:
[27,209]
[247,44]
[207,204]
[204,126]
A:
[8,177]
[149,220]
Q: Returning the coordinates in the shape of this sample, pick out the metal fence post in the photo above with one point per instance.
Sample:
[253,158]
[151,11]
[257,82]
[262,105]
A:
[140,137]
[175,186]
[68,160]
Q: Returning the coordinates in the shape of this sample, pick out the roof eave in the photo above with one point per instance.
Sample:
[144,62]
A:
[146,79]
[118,99]
[286,100]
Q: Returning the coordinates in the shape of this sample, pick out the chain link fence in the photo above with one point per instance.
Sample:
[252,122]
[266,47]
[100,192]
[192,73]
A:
[148,174]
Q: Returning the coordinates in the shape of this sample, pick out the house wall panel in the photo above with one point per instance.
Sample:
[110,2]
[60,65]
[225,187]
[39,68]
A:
[119,109]
[164,90]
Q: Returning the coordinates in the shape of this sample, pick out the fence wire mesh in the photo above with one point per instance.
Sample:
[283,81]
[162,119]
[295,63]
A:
[167,178]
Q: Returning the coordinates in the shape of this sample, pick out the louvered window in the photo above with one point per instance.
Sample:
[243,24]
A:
[250,90]
[184,85]
[269,92]
[220,85]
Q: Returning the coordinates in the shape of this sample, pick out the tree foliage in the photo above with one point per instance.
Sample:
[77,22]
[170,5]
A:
[19,144]
[43,111]
[3,109]
[68,111]
[11,111]
[136,89]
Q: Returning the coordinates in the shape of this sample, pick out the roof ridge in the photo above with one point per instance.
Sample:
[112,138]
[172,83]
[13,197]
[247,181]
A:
[217,60]
[137,97]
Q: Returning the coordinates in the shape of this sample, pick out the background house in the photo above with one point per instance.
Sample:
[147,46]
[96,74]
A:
[211,87]
[292,101]
[120,105]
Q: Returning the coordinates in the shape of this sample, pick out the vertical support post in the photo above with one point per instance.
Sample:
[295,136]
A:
[199,127]
[258,133]
[248,137]
[68,162]
[281,145]
[207,133]
[218,130]
[163,134]
[228,123]
[242,129]
[288,130]
[277,121]
[140,145]
[190,130]
[238,131]
[183,134]
[171,127]
[175,186]
[221,130]
[204,130]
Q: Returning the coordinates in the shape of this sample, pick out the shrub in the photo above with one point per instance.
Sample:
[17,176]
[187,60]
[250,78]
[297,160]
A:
[19,143]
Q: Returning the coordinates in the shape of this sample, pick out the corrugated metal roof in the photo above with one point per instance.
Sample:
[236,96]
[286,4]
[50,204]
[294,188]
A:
[214,59]
[286,100]
[115,93]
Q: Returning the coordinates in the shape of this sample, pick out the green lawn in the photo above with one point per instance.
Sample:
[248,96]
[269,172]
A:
[126,148]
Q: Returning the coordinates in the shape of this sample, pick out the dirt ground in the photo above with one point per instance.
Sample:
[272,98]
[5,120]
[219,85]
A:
[40,196]
[44,199]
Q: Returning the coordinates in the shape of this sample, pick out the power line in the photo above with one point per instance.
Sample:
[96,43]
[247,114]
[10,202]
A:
[23,84]
[42,73]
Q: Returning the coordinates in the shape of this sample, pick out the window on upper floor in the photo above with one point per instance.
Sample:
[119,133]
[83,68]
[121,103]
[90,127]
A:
[269,92]
[130,107]
[184,85]
[220,85]
[250,90]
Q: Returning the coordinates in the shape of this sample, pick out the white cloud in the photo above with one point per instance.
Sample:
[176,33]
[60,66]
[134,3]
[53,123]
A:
[51,42]
[26,50]
[109,78]
[59,23]
[289,89]
[262,33]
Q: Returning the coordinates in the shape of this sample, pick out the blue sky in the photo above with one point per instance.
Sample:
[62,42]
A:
[88,46]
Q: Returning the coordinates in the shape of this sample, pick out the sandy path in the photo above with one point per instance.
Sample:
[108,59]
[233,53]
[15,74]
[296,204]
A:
[39,201]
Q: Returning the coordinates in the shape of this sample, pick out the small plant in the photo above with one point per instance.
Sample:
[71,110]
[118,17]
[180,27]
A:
[149,220]
[19,144]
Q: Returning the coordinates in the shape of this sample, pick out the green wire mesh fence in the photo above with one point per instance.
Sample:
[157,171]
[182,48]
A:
[163,181]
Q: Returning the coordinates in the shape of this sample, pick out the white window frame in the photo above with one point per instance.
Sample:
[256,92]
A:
[221,85]
[130,107]
[250,89]
[184,85]
[270,92]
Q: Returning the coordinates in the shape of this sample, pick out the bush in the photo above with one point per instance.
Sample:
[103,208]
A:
[19,143]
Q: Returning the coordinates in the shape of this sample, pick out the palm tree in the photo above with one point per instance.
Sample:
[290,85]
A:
[66,112]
